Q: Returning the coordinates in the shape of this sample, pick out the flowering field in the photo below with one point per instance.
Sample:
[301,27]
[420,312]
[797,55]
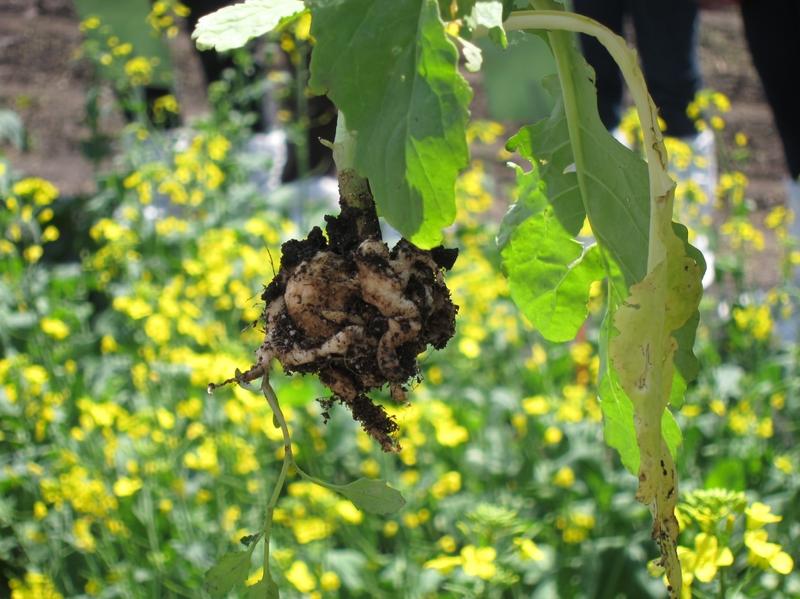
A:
[122,476]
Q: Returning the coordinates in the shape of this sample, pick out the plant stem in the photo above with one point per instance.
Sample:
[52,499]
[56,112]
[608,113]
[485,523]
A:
[288,459]
[626,59]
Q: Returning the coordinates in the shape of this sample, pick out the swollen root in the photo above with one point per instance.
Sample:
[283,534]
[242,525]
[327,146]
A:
[354,312]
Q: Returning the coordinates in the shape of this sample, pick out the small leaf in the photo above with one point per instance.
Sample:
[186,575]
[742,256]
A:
[373,496]
[550,274]
[233,26]
[229,571]
[263,589]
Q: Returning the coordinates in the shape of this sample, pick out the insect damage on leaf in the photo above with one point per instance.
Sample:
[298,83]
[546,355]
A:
[354,312]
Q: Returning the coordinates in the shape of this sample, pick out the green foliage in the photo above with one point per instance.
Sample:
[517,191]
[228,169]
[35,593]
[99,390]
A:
[390,68]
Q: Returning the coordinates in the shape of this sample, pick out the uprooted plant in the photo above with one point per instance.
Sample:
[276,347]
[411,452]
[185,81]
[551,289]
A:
[357,313]
[353,312]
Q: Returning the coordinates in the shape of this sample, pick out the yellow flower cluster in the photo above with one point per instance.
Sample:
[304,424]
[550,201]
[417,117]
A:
[164,14]
[474,561]
[575,526]
[34,586]
[25,221]
[755,320]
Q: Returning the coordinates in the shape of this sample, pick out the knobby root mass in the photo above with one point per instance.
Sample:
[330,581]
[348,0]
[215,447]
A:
[354,312]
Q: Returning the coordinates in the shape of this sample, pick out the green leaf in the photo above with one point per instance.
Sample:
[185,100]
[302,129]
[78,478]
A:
[531,194]
[235,25]
[369,495]
[618,428]
[546,146]
[612,180]
[263,589]
[229,571]
[550,274]
[685,360]
[393,72]
[671,432]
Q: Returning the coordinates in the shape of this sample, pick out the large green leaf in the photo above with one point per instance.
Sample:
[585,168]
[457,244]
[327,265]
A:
[390,68]
[611,179]
[550,274]
[233,26]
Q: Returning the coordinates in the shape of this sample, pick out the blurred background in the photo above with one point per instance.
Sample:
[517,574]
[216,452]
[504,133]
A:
[145,190]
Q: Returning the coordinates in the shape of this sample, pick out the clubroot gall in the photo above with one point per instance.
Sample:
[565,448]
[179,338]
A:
[354,312]
[357,314]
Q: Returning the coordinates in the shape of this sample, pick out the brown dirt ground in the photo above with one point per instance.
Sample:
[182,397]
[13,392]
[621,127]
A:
[43,80]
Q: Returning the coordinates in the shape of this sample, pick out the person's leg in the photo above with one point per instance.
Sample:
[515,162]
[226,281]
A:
[666,36]
[607,76]
[771,29]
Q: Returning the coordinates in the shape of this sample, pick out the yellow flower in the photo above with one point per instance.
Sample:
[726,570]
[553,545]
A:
[450,434]
[447,544]
[448,484]
[536,405]
[329,581]
[767,555]
[157,327]
[34,586]
[50,233]
[82,533]
[90,23]
[125,487]
[444,563]
[479,561]
[39,510]
[108,345]
[33,253]
[348,512]
[124,50]
[41,191]
[300,577]
[139,70]
[218,147]
[54,327]
[529,550]
[307,530]
[784,464]
[760,514]
[565,477]
[553,435]
[204,458]
[469,347]
[706,558]
[390,529]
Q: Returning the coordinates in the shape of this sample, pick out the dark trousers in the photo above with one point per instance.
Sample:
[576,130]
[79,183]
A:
[666,37]
[771,28]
